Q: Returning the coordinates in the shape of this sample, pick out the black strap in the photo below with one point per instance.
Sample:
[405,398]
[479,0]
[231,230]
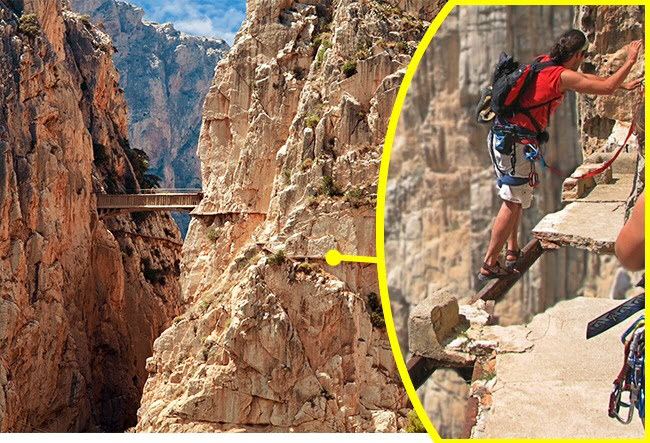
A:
[506,178]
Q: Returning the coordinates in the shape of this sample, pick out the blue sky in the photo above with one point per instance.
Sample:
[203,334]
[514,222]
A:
[209,18]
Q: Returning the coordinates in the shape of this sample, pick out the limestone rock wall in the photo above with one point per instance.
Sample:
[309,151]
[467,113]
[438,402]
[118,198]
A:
[165,75]
[603,120]
[290,147]
[442,197]
[609,30]
[78,314]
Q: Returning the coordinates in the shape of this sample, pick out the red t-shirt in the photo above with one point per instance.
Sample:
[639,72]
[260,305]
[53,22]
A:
[545,87]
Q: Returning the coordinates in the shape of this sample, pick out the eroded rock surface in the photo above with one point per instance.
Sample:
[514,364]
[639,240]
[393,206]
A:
[547,381]
[290,147]
[80,305]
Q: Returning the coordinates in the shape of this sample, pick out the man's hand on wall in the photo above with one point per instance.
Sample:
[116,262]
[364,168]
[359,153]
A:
[633,84]
[633,51]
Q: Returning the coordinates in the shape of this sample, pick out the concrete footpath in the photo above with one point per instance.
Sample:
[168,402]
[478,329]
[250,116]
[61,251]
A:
[559,387]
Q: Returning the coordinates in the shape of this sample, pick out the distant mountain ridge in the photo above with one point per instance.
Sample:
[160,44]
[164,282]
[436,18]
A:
[165,74]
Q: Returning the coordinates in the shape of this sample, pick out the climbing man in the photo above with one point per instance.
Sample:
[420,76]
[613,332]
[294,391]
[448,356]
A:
[513,140]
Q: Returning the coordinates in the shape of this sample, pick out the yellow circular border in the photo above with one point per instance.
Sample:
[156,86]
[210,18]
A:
[383,176]
[381,202]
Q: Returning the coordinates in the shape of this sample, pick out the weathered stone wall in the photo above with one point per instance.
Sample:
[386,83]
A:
[79,307]
[603,120]
[290,124]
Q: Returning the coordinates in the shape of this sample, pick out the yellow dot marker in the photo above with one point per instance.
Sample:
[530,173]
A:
[334,258]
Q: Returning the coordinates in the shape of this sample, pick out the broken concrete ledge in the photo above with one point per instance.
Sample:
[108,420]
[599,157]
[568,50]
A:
[584,225]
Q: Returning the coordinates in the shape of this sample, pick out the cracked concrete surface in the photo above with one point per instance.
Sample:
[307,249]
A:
[559,387]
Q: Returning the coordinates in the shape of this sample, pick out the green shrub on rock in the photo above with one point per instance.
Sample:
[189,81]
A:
[350,68]
[29,25]
[415,424]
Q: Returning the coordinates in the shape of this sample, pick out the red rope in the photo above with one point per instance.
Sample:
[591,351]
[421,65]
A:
[610,161]
[629,134]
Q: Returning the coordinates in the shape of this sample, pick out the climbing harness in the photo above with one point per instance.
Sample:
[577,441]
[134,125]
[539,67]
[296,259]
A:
[632,375]
[504,139]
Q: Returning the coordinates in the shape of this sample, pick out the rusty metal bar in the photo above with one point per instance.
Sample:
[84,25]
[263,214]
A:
[471,413]
[420,369]
[497,288]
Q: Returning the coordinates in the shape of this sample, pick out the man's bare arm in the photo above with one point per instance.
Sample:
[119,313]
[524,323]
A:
[630,244]
[591,84]
[632,84]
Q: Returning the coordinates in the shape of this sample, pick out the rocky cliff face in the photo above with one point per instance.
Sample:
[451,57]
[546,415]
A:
[290,147]
[604,120]
[609,30]
[166,75]
[442,199]
[80,304]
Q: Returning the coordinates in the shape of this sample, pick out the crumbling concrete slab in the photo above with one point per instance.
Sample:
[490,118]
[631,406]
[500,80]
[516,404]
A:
[584,225]
[560,387]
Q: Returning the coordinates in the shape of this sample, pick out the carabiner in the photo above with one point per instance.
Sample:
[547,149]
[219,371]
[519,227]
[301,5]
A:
[629,406]
[633,327]
[531,152]
[533,178]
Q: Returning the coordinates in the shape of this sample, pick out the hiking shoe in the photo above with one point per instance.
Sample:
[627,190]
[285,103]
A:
[497,271]
[510,264]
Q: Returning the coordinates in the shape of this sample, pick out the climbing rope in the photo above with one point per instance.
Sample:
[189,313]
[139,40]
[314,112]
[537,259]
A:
[631,377]
[627,138]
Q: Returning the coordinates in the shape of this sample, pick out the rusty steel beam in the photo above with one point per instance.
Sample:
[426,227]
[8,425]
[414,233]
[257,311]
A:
[497,288]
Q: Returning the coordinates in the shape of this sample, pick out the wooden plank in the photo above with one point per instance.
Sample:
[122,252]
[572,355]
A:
[142,201]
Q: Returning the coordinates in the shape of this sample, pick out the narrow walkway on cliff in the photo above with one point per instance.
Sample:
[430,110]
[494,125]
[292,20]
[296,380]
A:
[601,203]
[536,362]
[181,200]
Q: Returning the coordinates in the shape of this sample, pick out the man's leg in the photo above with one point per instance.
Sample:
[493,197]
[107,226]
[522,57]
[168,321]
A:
[513,240]
[506,220]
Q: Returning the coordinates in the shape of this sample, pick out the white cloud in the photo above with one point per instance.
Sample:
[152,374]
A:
[202,27]
[197,17]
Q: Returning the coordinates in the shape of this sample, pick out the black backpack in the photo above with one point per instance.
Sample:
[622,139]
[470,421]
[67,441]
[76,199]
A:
[509,81]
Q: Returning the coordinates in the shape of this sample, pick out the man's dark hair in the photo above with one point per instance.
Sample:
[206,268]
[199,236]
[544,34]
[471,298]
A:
[568,44]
